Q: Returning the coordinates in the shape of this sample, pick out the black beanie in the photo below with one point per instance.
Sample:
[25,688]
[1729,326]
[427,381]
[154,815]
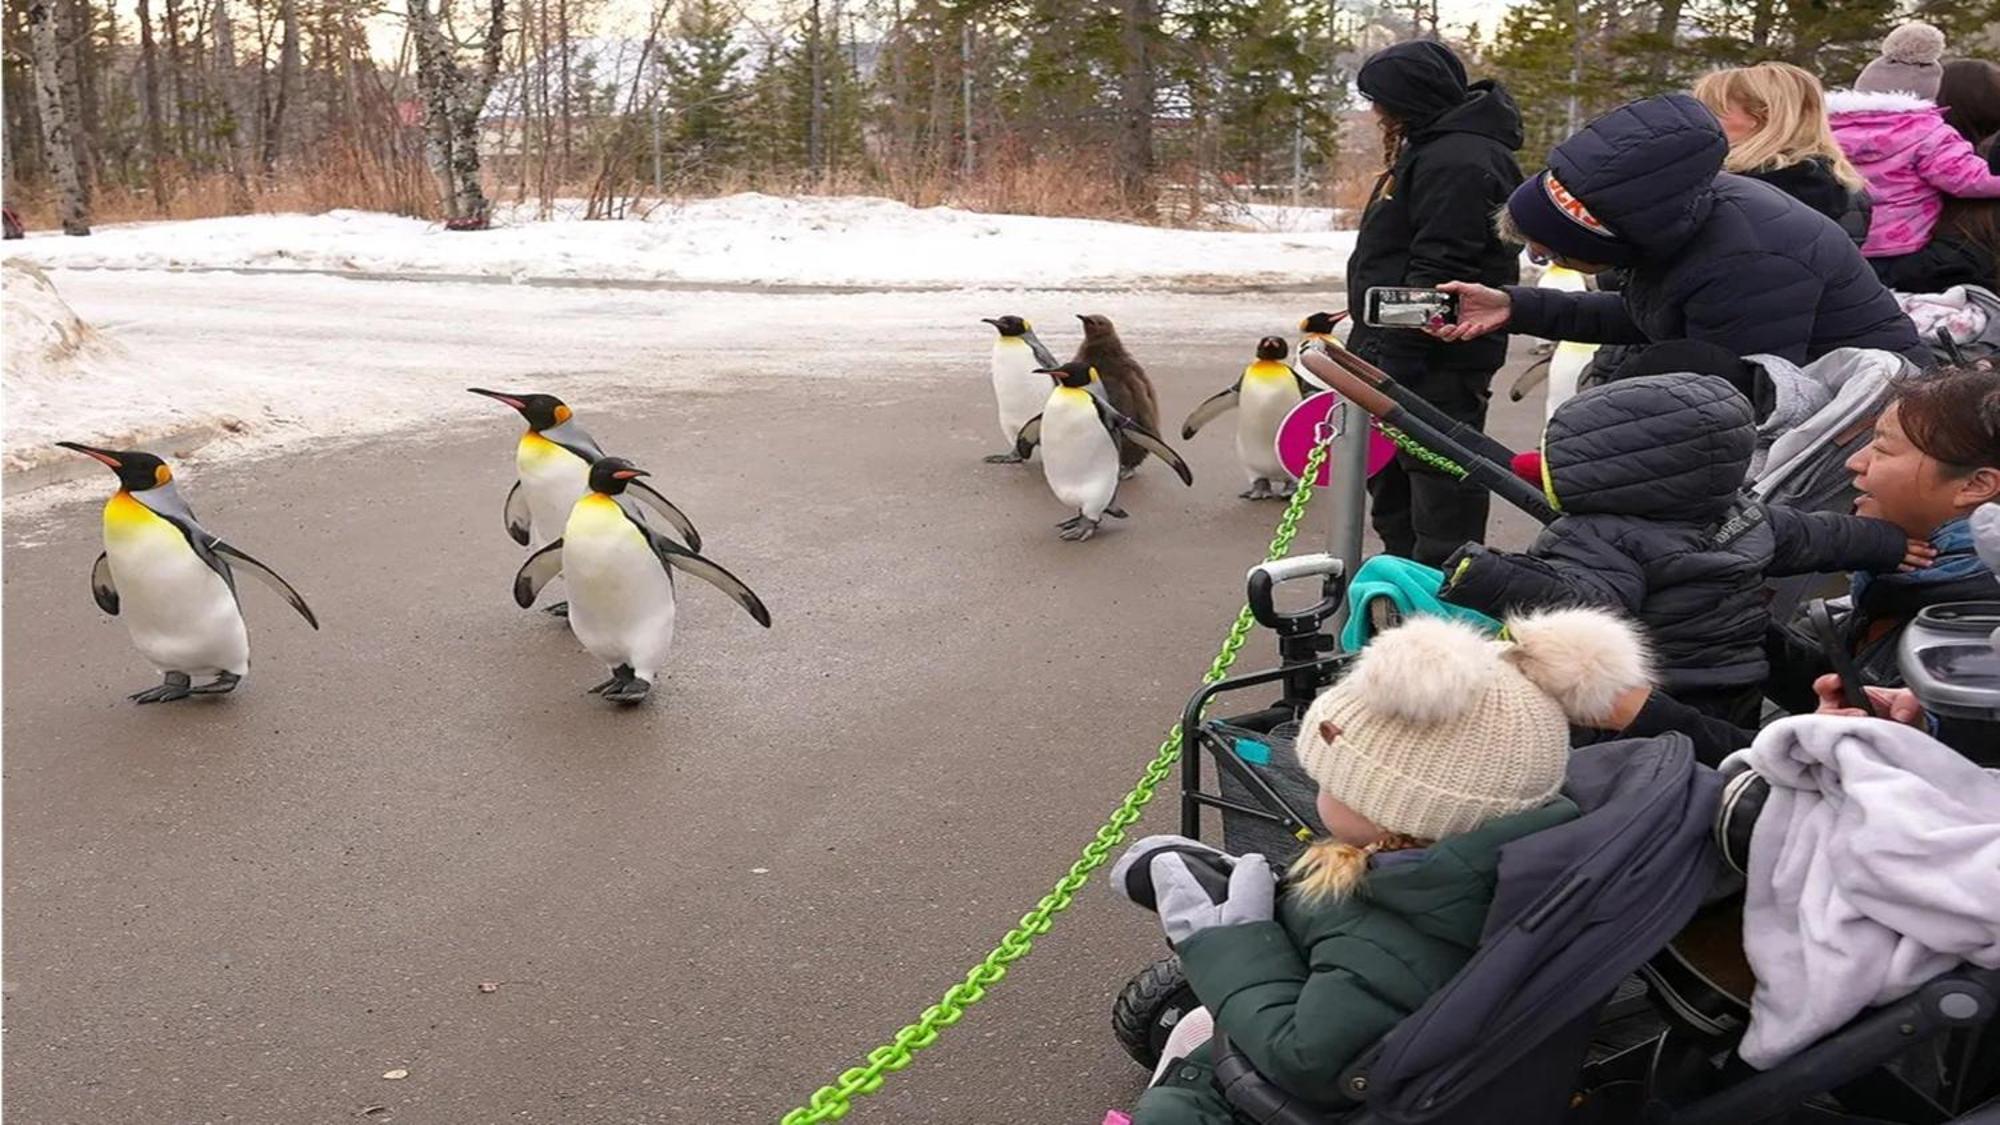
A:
[1414,81]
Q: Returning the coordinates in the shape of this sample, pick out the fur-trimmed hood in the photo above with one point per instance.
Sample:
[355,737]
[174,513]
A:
[1869,101]
[1872,127]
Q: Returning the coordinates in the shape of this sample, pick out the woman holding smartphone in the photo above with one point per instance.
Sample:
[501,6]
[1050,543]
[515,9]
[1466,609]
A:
[1448,154]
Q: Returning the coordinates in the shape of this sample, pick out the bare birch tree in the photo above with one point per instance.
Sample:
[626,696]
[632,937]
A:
[46,38]
[454,99]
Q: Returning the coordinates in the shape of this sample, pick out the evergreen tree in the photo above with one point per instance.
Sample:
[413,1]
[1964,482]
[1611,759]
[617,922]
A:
[702,91]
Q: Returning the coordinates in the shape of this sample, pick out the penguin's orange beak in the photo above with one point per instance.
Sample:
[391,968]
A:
[628,474]
[104,455]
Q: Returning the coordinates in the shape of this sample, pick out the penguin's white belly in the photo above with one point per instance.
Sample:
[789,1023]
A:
[553,479]
[621,599]
[1018,391]
[1260,409]
[1079,459]
[180,613]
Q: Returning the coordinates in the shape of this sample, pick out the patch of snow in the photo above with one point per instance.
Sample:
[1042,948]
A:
[254,364]
[745,239]
[1283,217]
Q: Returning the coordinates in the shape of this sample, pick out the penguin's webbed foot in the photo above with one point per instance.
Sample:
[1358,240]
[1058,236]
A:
[1285,489]
[1117,513]
[175,687]
[559,609]
[1260,489]
[223,684]
[1008,458]
[631,691]
[1083,529]
[1070,522]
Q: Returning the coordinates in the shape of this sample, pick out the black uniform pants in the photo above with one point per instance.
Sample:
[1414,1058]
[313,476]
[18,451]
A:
[1421,513]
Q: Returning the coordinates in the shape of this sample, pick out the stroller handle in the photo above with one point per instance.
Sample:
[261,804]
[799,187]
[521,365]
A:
[1264,580]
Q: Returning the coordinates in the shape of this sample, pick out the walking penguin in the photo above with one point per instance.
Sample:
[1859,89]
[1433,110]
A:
[553,459]
[1079,435]
[621,584]
[173,581]
[1263,395]
[1019,387]
[1125,384]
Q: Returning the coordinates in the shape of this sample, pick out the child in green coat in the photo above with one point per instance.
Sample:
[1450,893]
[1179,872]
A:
[1437,749]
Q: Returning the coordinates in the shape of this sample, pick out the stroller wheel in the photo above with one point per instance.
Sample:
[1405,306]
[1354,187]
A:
[1149,1007]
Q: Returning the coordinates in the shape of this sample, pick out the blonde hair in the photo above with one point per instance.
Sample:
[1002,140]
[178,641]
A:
[1790,109]
[1331,870]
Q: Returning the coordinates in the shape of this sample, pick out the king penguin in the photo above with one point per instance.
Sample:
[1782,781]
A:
[1267,390]
[1126,385]
[173,581]
[621,585]
[1080,434]
[553,459]
[1019,387]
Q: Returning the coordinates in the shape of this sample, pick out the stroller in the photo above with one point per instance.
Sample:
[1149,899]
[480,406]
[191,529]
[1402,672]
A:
[1576,1009]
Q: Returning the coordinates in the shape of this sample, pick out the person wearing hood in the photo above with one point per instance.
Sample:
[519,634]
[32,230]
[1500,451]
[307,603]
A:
[1893,130]
[1449,152]
[1709,255]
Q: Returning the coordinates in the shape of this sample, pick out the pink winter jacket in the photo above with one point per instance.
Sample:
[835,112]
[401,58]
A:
[1911,160]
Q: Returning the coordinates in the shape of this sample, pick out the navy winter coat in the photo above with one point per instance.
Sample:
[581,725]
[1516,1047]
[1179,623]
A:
[1722,257]
[1648,474]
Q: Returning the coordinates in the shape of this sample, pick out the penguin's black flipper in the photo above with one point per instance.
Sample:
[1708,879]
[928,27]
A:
[1307,387]
[1218,404]
[665,507]
[1043,356]
[1150,442]
[269,577]
[676,557]
[537,572]
[102,587]
[1029,437]
[516,514]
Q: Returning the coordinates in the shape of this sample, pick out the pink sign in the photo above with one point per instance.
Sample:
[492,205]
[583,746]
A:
[1301,430]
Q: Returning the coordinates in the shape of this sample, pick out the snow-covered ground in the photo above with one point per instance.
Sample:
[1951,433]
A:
[744,240]
[226,364]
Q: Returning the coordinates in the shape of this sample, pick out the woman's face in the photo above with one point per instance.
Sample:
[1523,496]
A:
[1906,486]
[1737,124]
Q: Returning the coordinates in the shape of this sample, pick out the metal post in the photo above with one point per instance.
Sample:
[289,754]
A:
[1347,462]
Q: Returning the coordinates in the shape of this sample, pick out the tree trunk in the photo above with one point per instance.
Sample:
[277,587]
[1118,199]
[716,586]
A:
[176,77]
[816,117]
[235,113]
[46,39]
[277,132]
[562,36]
[1666,29]
[73,36]
[149,87]
[454,102]
[1139,22]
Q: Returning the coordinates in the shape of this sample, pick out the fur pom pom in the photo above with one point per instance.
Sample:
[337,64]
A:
[1916,43]
[1583,658]
[1426,670]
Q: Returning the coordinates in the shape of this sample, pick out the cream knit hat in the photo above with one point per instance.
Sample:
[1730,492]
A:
[1439,728]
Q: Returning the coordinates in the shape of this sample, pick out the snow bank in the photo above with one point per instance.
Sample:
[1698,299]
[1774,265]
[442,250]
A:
[738,240]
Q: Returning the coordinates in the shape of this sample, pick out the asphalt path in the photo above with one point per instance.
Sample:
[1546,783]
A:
[252,909]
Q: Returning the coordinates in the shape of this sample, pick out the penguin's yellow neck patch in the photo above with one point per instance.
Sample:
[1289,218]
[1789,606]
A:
[125,518]
[1267,369]
[536,450]
[1072,395]
[1013,341]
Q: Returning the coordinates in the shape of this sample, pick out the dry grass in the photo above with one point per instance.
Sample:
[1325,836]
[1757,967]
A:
[1009,179]
[333,177]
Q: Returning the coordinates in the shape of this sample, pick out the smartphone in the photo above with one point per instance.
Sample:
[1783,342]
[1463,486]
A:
[1853,691]
[1394,306]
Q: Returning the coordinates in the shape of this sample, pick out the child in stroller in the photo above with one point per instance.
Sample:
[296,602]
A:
[1440,746]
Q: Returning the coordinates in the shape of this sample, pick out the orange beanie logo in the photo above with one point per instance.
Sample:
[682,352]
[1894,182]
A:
[1570,205]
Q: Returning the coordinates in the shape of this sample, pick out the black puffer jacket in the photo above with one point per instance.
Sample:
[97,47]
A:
[1722,257]
[1431,217]
[1648,474]
[1811,181]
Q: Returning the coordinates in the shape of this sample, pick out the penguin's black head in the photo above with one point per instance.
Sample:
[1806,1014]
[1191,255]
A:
[1076,373]
[137,471]
[1008,325]
[1273,348]
[1321,323]
[610,475]
[542,411]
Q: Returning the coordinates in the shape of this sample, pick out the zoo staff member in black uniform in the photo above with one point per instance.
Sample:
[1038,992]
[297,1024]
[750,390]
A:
[1449,149]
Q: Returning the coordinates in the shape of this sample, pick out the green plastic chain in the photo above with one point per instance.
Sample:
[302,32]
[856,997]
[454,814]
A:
[831,1103]
[1409,445]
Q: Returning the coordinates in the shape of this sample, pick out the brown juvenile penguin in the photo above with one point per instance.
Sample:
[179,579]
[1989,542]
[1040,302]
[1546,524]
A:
[1125,383]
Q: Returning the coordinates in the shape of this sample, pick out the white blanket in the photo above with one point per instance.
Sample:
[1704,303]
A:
[1874,866]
